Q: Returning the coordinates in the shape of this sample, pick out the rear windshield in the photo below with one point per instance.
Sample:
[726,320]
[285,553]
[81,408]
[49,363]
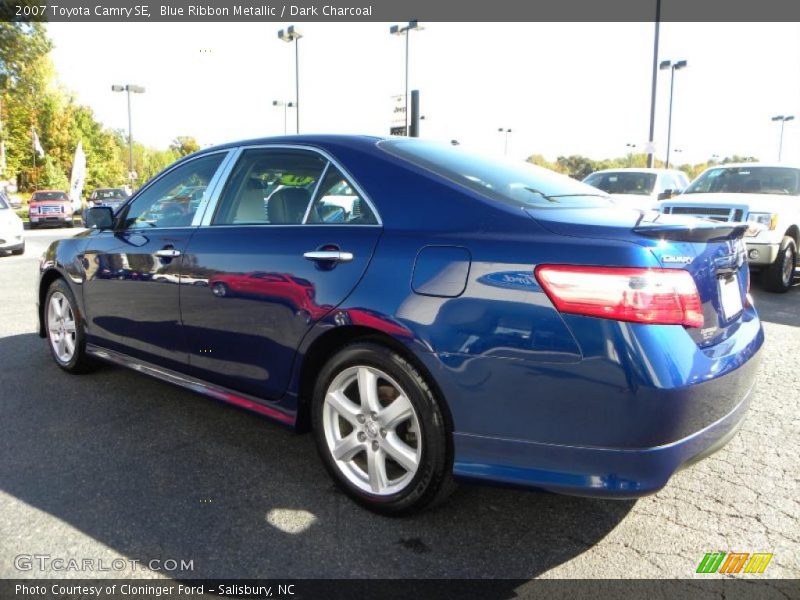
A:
[40,196]
[519,184]
[748,180]
[623,182]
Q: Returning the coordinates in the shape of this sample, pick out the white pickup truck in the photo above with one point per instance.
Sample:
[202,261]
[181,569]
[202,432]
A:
[767,198]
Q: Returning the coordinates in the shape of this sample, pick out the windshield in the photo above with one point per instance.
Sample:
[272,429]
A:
[519,184]
[623,182]
[42,196]
[748,180]
[108,195]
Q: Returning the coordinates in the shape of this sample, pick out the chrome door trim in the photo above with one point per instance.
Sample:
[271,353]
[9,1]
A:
[213,188]
[237,152]
[314,193]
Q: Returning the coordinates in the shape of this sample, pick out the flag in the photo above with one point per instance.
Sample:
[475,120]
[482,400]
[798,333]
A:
[37,145]
[78,175]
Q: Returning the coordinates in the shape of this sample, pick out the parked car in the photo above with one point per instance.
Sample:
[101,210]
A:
[111,197]
[766,198]
[473,319]
[11,229]
[50,207]
[639,188]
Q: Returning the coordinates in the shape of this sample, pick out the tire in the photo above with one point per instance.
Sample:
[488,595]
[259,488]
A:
[220,290]
[19,251]
[779,275]
[32,225]
[76,361]
[394,459]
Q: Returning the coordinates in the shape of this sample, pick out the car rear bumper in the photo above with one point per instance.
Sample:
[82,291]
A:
[762,254]
[594,472]
[50,220]
[10,242]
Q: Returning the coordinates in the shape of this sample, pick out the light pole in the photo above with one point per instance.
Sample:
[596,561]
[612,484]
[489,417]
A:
[653,84]
[666,64]
[129,89]
[289,35]
[285,105]
[505,132]
[783,120]
[406,31]
[631,147]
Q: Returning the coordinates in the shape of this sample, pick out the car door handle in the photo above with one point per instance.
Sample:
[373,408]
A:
[329,255]
[168,253]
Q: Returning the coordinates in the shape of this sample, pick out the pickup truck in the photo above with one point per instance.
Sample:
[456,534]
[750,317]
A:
[767,198]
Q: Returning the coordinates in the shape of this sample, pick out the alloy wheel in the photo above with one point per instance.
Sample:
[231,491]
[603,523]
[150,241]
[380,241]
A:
[788,266]
[61,327]
[372,430]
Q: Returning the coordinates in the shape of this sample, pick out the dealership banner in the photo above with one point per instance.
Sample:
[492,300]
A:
[385,10]
[399,589]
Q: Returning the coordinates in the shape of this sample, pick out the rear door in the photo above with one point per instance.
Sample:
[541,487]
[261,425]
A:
[132,272]
[275,263]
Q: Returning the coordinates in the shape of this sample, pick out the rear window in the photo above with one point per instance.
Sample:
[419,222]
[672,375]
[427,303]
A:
[108,195]
[748,180]
[519,184]
[41,196]
[623,182]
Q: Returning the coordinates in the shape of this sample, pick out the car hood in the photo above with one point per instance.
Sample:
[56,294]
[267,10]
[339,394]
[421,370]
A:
[758,202]
[634,201]
[9,219]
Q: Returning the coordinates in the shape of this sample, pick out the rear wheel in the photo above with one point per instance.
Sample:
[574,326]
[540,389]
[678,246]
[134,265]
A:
[20,250]
[779,275]
[380,431]
[64,328]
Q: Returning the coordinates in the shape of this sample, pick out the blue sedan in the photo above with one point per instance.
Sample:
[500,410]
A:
[430,314]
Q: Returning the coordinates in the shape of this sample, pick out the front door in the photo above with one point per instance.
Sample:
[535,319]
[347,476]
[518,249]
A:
[266,288]
[133,272]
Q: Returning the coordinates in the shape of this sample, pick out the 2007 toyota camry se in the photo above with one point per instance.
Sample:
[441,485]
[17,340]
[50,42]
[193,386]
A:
[430,314]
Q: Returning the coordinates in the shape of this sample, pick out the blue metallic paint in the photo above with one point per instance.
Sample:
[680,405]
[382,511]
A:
[562,402]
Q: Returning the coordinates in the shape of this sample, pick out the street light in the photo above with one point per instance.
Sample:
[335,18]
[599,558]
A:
[129,89]
[289,35]
[505,132]
[406,31]
[783,120]
[285,105]
[666,64]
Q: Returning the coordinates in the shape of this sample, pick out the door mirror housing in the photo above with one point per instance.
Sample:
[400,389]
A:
[100,217]
[667,194]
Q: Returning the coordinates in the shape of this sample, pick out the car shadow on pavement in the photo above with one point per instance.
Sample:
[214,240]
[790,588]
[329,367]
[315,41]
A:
[155,472]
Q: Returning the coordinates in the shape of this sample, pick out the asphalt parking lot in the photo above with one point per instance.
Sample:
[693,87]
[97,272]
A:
[118,465]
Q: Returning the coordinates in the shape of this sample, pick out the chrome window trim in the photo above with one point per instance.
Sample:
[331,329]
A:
[224,174]
[239,150]
[176,165]
[212,189]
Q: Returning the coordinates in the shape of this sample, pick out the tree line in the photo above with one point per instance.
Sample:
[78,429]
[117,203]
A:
[32,99]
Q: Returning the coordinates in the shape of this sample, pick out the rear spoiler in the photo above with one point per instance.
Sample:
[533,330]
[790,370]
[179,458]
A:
[700,230]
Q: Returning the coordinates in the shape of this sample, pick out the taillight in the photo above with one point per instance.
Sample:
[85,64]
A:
[657,296]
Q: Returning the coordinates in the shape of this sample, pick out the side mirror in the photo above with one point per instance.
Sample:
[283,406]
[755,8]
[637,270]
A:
[100,217]
[666,194]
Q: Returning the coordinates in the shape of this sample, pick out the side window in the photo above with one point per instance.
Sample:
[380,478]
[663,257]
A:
[337,202]
[172,200]
[270,186]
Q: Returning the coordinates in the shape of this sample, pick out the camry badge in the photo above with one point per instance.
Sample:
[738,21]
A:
[683,260]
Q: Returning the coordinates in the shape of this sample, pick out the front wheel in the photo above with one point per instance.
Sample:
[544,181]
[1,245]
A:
[380,431]
[64,329]
[778,277]
[20,250]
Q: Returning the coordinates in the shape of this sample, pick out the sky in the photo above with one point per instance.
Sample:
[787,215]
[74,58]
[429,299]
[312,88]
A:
[562,88]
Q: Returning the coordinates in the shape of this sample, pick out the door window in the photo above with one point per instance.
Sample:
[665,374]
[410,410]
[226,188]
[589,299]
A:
[270,186]
[338,202]
[173,199]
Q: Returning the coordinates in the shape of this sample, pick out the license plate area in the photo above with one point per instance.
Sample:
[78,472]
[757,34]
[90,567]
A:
[730,296]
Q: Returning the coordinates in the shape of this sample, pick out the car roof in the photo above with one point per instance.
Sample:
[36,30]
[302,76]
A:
[304,139]
[754,164]
[637,170]
[49,192]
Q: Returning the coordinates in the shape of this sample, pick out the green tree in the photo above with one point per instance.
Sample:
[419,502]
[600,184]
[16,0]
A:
[52,176]
[184,144]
